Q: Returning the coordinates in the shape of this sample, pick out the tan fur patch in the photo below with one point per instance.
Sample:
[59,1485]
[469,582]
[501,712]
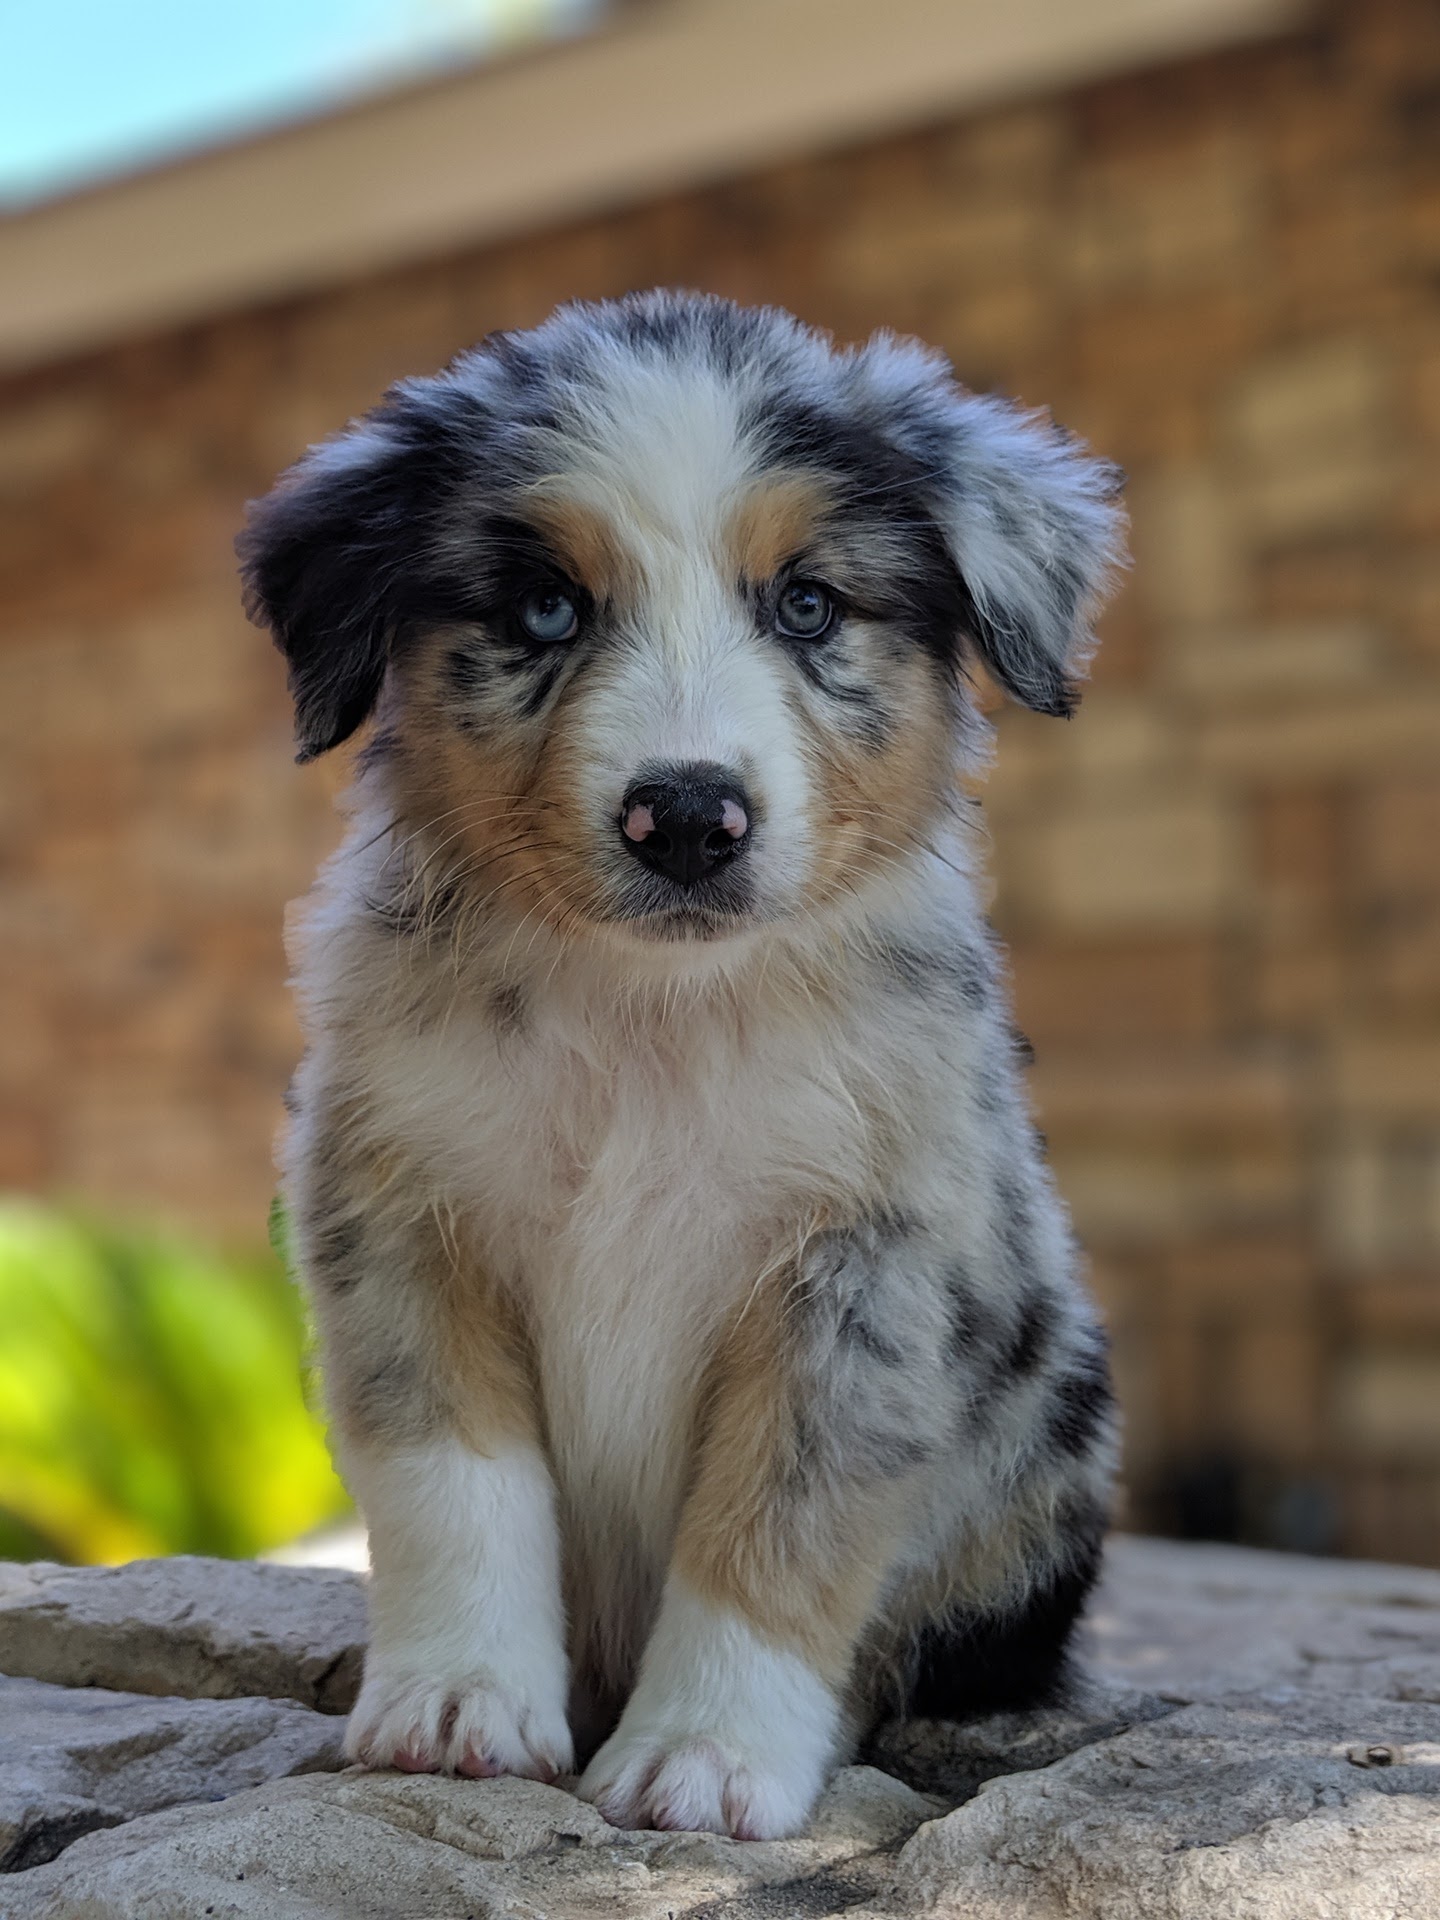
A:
[586,544]
[879,802]
[471,1367]
[775,521]
[488,1366]
[800,1558]
[498,825]
[456,1342]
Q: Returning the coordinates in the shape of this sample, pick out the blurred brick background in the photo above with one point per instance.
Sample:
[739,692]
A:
[1221,882]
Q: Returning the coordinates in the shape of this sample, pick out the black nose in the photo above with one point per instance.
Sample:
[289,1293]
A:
[686,822]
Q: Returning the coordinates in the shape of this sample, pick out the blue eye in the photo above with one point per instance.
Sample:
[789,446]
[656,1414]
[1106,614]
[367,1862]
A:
[804,611]
[549,615]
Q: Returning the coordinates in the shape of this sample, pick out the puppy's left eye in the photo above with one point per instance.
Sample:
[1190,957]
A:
[549,615]
[804,611]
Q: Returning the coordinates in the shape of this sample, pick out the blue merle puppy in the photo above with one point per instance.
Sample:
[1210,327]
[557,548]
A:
[704,1338]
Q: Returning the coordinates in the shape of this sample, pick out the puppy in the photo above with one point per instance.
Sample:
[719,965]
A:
[705,1341]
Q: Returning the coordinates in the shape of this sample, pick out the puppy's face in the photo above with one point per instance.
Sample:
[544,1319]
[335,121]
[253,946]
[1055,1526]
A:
[665,607]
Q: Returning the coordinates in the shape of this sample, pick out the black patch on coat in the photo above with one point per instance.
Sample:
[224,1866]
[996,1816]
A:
[395,1397]
[382,745]
[467,675]
[1082,1402]
[1015,1225]
[869,719]
[331,1229]
[334,1244]
[852,1354]
[990,1088]
[523,363]
[977,1334]
[856,1329]
[925,971]
[892,1455]
[1034,1332]
[973,1662]
[509,1007]
[841,1268]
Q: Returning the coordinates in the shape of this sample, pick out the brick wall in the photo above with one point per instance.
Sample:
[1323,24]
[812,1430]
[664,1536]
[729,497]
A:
[1222,882]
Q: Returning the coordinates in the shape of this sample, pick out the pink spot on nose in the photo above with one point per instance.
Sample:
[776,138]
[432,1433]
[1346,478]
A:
[638,824]
[734,819]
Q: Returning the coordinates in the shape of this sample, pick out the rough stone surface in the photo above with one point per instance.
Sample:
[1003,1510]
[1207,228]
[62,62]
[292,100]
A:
[208,1629]
[1260,1809]
[1201,1622]
[1256,1737]
[77,1758]
[376,1847]
[954,1758]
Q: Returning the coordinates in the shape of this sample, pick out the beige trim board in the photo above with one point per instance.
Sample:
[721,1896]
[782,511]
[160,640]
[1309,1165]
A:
[673,93]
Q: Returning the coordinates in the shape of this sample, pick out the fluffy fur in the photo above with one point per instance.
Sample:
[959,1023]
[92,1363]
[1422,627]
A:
[703,1335]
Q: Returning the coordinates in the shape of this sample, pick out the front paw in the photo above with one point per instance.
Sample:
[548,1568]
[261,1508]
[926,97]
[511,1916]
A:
[701,1783]
[725,1731]
[470,1723]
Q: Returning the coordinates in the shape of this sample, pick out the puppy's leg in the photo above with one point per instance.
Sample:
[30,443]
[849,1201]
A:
[435,1423]
[466,1667]
[816,1426]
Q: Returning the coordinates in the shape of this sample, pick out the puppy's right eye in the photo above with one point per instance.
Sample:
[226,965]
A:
[548,615]
[805,611]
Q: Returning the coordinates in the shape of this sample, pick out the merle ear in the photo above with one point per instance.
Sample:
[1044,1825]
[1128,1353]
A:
[324,558]
[1037,532]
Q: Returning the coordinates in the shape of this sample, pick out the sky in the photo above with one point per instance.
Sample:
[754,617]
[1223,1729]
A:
[90,88]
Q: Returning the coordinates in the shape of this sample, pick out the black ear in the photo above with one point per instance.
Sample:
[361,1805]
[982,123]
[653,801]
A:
[1037,533]
[325,558]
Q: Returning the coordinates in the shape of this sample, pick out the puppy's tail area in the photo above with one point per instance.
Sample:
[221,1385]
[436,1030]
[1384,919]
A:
[969,1662]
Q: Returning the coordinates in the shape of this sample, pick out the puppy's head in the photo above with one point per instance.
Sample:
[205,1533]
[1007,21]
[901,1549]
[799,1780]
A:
[667,603]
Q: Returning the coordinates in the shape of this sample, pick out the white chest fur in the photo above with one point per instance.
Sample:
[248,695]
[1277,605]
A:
[633,1177]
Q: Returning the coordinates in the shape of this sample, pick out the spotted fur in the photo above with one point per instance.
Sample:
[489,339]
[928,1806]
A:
[704,1338]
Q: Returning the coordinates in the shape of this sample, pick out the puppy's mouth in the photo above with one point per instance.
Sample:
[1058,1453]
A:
[656,909]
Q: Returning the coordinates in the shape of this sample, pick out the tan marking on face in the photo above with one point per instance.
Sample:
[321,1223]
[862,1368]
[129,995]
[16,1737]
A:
[586,544]
[498,822]
[874,804]
[802,1560]
[777,519]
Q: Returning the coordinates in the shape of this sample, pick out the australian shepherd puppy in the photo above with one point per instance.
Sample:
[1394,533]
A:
[705,1341]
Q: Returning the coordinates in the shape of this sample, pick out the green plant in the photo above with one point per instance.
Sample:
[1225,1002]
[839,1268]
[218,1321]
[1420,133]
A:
[151,1397]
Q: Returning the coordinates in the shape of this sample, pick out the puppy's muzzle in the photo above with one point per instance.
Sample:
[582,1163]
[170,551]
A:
[686,822]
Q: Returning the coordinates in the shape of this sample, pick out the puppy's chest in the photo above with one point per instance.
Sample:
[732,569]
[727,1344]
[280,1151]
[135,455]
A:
[634,1194]
[643,1152]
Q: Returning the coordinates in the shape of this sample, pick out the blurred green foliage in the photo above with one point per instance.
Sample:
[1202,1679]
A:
[151,1397]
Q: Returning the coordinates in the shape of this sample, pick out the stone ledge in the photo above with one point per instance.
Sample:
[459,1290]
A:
[79,1758]
[1262,1806]
[1258,1736]
[207,1629]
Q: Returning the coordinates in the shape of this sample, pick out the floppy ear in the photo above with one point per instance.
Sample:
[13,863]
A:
[324,558]
[1037,533]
